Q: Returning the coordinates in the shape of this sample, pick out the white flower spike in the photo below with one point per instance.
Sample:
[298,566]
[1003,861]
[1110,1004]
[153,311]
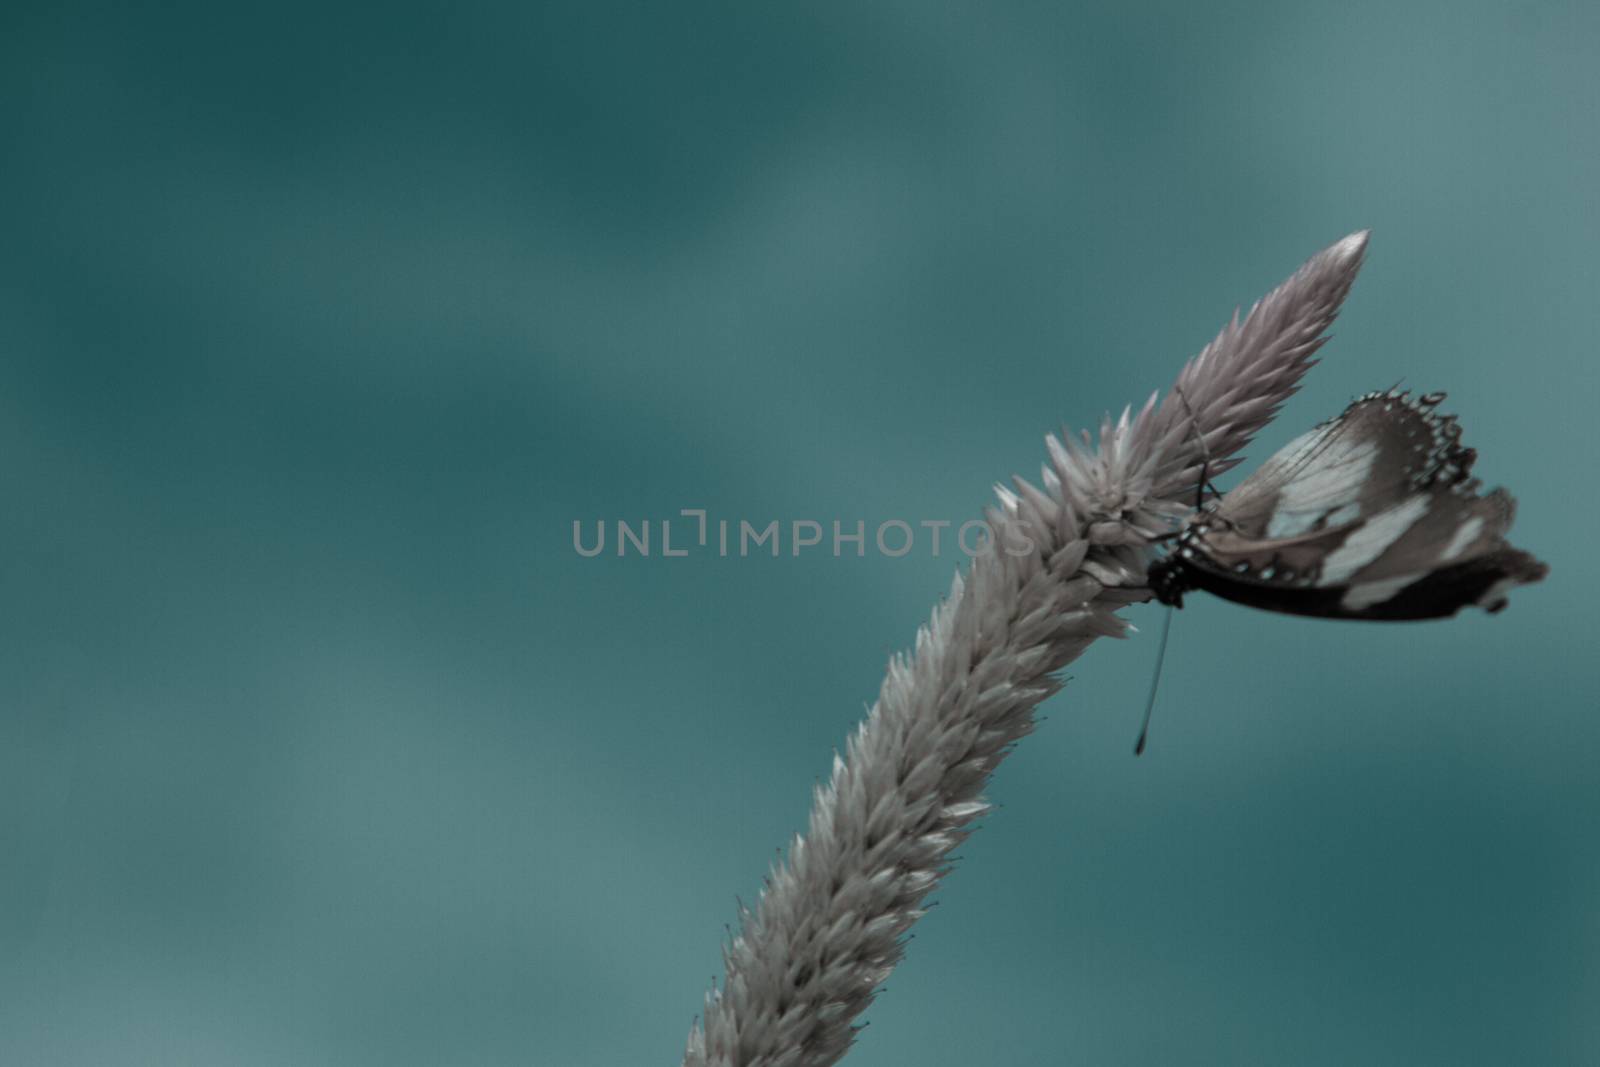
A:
[829,926]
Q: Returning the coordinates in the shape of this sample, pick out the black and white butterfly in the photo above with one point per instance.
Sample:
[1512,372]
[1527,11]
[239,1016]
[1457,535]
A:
[1370,515]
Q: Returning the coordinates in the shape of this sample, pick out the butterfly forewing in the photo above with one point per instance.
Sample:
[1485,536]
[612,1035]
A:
[1369,458]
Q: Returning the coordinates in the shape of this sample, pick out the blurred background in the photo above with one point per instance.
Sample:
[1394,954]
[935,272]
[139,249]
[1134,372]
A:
[319,327]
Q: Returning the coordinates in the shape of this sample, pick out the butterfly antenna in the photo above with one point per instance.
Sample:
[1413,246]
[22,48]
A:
[1205,453]
[1155,683]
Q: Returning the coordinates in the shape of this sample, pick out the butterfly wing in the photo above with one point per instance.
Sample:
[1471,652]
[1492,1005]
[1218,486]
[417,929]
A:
[1375,454]
[1370,515]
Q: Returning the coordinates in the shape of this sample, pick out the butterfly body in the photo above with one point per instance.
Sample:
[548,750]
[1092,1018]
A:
[1370,515]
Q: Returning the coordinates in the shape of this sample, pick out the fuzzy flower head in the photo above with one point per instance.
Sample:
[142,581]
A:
[1111,489]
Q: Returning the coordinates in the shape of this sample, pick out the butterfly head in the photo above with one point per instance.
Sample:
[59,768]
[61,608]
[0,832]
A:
[1168,581]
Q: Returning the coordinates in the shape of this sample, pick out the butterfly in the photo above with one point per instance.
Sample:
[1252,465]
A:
[1373,514]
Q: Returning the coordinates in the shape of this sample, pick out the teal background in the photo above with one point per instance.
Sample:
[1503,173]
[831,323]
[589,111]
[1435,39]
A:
[320,745]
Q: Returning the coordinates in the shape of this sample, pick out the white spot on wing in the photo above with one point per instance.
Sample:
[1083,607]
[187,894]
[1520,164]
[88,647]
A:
[1467,534]
[1338,474]
[1496,593]
[1349,513]
[1284,524]
[1360,597]
[1370,541]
